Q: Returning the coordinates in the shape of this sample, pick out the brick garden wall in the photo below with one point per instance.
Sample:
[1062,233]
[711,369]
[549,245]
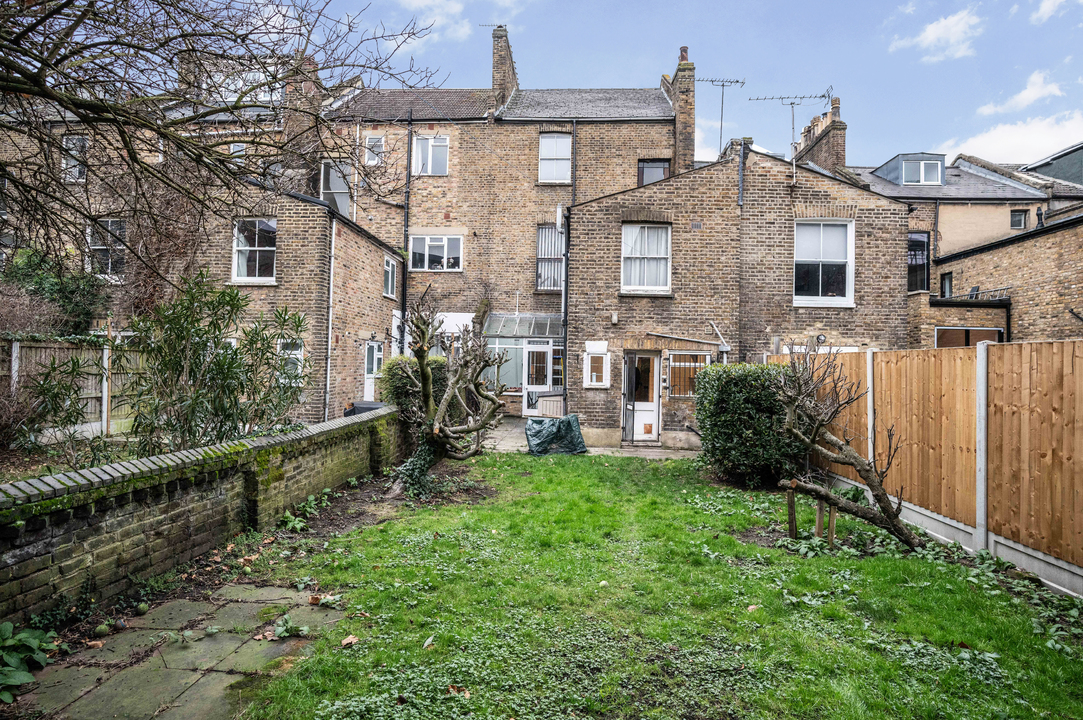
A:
[141,518]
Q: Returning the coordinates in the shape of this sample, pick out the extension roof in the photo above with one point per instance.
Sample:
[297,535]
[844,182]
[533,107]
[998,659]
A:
[959,184]
[589,104]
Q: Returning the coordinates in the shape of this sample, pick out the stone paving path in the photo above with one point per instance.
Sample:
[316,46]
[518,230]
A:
[145,672]
[511,437]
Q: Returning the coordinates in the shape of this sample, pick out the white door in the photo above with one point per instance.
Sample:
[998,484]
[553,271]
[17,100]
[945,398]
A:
[646,388]
[537,374]
[374,361]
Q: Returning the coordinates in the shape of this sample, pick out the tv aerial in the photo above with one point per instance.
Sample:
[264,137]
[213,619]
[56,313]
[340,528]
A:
[721,83]
[793,101]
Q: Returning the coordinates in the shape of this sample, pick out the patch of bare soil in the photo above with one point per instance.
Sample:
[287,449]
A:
[18,465]
[763,536]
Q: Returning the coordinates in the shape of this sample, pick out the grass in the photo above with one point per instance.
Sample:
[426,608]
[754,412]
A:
[614,588]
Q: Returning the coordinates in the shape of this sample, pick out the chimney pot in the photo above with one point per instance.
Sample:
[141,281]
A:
[684,53]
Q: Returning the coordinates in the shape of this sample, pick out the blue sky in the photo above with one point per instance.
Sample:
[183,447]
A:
[999,78]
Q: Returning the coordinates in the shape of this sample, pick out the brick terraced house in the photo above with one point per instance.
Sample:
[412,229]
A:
[953,209]
[478,216]
[718,264]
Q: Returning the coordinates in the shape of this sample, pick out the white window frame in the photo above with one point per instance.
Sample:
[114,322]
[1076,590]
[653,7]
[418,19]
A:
[373,156]
[542,159]
[846,301]
[429,243]
[672,364]
[74,166]
[346,172]
[391,273]
[922,172]
[418,163]
[237,152]
[1011,218]
[377,358]
[298,353]
[273,279]
[113,247]
[647,289]
[588,381]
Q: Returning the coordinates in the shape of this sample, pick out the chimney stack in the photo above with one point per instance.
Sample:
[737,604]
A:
[505,80]
[823,140]
[681,91]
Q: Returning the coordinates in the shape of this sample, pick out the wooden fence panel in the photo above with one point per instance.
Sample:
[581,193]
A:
[929,397]
[1035,477]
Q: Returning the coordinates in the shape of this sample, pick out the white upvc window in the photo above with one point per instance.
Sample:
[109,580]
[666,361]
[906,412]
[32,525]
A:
[255,243]
[921,172]
[1019,219]
[823,271]
[292,353]
[434,253]
[391,268]
[645,259]
[236,152]
[74,159]
[374,358]
[105,249]
[555,158]
[374,150]
[596,369]
[430,155]
[335,186]
[550,270]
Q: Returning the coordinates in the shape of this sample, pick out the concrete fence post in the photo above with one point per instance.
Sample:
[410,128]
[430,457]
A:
[981,447]
[15,350]
[105,390]
[870,404]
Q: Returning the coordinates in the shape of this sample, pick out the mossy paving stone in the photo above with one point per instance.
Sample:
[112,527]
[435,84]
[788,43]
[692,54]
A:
[60,685]
[199,654]
[315,617]
[173,615]
[244,614]
[118,647]
[213,697]
[134,694]
[252,593]
[255,655]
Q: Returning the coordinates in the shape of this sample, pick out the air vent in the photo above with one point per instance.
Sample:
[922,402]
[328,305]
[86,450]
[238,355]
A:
[697,225]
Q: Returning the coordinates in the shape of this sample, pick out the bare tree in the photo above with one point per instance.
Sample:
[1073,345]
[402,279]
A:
[816,393]
[453,425]
[164,112]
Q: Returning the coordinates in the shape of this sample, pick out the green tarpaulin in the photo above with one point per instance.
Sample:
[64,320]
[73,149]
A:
[545,436]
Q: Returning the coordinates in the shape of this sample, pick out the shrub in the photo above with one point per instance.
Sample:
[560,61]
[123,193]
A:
[396,389]
[742,423]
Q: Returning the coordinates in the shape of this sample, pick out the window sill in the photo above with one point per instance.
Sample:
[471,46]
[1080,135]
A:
[548,292]
[666,294]
[821,304]
[426,175]
[545,183]
[419,270]
[917,292]
[595,387]
[390,297]
[242,282]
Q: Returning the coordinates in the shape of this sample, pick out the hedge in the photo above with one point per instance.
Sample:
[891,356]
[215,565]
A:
[742,423]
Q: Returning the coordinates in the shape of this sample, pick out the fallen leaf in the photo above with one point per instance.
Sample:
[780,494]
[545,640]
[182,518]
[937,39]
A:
[314,599]
[362,613]
[230,547]
[428,642]
[349,640]
[466,694]
[95,644]
[268,541]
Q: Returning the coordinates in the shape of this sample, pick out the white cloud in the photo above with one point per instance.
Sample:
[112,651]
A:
[945,39]
[1013,11]
[1037,88]
[908,8]
[1046,9]
[707,139]
[445,17]
[1024,141]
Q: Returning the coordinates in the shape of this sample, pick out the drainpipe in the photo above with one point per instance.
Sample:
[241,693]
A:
[935,242]
[741,176]
[564,298]
[406,228]
[330,316]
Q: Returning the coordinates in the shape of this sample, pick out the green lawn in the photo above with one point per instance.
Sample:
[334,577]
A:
[614,588]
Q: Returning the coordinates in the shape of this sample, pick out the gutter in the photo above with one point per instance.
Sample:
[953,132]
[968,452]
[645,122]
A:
[330,318]
[567,248]
[406,228]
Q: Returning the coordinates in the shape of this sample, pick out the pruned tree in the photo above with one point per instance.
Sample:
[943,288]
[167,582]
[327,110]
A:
[816,394]
[165,112]
[451,426]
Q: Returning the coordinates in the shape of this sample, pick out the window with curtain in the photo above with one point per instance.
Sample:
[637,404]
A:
[254,246]
[917,262]
[645,251]
[550,258]
[555,158]
[823,263]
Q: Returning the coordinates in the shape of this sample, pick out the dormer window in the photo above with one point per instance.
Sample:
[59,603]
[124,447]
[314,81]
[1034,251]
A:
[921,172]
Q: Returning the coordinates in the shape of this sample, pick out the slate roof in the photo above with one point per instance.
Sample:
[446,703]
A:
[958,185]
[1061,188]
[427,103]
[607,104]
